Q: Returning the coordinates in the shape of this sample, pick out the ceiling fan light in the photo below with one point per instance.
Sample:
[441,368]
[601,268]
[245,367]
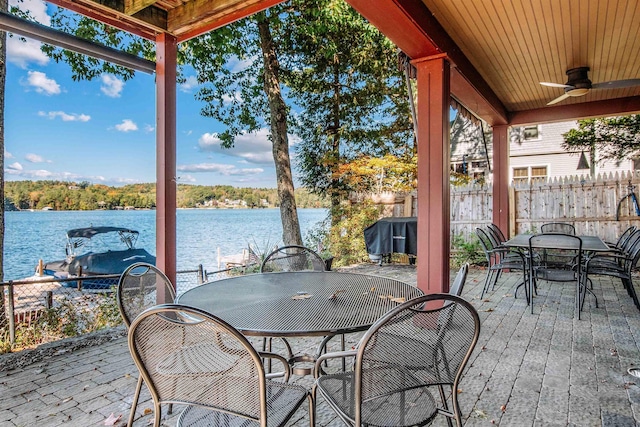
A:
[578,91]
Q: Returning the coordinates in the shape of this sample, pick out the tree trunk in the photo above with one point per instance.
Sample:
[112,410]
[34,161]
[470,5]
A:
[288,212]
[335,144]
[3,72]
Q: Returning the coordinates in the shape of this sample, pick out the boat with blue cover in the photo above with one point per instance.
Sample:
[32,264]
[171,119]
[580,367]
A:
[117,250]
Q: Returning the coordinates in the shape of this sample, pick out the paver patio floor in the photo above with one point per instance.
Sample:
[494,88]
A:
[542,369]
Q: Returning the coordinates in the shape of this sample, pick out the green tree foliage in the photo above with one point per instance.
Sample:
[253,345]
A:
[343,75]
[239,68]
[613,138]
[346,235]
[378,174]
[71,196]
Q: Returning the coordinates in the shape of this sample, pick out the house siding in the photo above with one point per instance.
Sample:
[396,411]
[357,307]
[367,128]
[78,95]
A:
[544,151]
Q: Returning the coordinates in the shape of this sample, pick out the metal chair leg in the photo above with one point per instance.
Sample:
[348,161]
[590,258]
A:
[134,403]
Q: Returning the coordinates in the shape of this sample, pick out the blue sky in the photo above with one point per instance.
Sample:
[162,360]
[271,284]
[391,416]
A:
[103,131]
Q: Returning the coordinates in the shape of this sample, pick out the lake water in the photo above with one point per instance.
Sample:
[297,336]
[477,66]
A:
[30,236]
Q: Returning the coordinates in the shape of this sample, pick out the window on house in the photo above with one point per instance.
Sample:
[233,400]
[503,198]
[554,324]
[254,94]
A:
[520,174]
[479,165]
[539,173]
[636,163]
[531,132]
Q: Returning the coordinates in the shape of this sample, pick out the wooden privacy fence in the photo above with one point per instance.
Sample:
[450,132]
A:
[589,204]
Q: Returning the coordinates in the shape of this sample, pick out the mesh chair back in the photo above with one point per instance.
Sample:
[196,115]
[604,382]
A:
[458,282]
[558,227]
[497,232]
[292,258]
[563,263]
[622,240]
[485,241]
[631,242]
[188,356]
[424,342]
[142,286]
[557,255]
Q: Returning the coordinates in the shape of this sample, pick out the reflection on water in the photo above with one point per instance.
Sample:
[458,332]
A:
[30,236]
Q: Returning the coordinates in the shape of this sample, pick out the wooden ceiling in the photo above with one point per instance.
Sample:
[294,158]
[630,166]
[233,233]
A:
[500,50]
[183,19]
[515,45]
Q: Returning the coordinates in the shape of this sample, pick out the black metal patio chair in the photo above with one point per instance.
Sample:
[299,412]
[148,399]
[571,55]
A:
[558,227]
[619,264]
[459,281]
[500,258]
[497,232]
[402,365]
[141,286]
[190,357]
[619,245]
[558,258]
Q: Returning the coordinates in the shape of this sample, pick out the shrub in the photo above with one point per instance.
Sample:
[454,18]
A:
[347,234]
[466,251]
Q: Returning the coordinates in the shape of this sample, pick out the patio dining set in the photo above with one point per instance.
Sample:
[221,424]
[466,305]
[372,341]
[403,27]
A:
[201,349]
[558,255]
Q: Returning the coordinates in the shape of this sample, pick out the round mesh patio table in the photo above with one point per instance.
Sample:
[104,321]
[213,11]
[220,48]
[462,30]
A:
[289,304]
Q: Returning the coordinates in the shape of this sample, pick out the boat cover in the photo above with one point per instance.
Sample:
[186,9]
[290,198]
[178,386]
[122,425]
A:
[89,232]
[111,262]
[392,235]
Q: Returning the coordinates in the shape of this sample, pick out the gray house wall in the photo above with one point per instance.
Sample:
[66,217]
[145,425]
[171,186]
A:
[544,151]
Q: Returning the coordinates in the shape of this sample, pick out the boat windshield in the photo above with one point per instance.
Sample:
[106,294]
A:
[100,239]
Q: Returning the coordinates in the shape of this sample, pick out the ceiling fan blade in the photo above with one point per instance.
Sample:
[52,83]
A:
[554,84]
[616,84]
[558,99]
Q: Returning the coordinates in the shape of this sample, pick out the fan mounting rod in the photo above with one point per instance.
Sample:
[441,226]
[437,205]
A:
[578,83]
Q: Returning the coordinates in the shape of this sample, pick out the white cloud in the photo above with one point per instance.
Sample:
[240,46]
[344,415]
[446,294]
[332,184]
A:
[15,166]
[127,126]
[111,85]
[237,65]
[66,117]
[186,178]
[8,155]
[226,99]
[227,170]
[34,158]
[42,83]
[189,84]
[148,128]
[36,8]
[21,51]
[252,147]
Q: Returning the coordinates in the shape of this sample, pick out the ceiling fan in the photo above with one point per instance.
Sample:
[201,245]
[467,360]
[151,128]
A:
[578,84]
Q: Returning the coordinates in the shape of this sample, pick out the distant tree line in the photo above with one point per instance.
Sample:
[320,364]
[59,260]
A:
[62,195]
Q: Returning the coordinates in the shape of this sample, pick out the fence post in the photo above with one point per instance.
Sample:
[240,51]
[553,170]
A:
[79,282]
[48,302]
[513,227]
[200,275]
[408,205]
[11,314]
